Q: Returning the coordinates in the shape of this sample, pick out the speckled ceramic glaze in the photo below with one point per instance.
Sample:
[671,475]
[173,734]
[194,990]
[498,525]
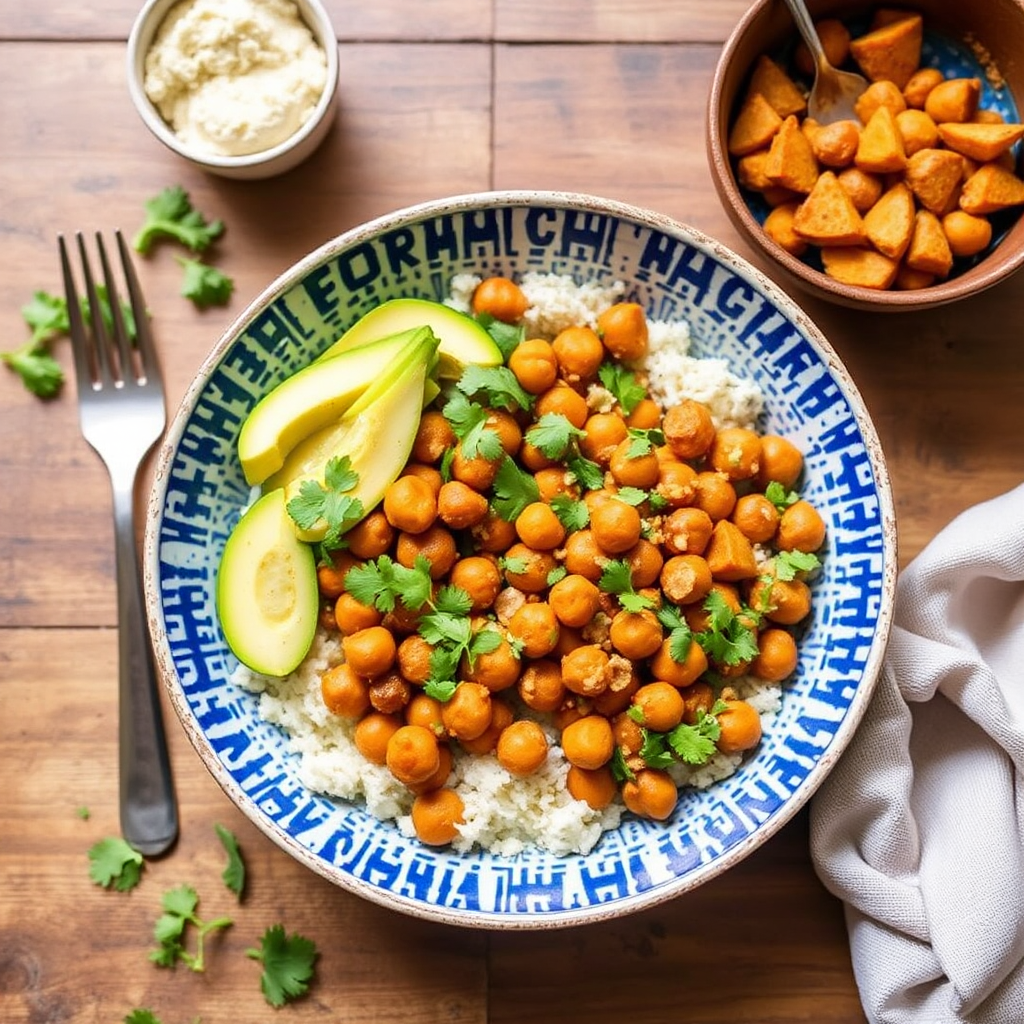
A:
[674,272]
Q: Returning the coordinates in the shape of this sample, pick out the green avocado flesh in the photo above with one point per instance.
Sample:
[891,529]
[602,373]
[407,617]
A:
[463,340]
[267,596]
[315,396]
[376,434]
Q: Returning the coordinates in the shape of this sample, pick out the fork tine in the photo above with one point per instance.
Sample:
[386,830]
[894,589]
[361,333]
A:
[105,371]
[79,336]
[143,333]
[120,341]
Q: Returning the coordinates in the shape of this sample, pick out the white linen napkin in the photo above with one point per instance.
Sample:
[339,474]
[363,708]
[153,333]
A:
[919,829]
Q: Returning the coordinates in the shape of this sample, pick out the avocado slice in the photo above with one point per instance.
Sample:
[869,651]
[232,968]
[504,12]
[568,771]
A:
[376,434]
[267,598]
[311,398]
[463,339]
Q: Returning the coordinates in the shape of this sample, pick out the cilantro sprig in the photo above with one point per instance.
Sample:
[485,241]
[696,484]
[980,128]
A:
[498,384]
[204,285]
[505,336]
[643,442]
[180,909]
[382,583]
[680,636]
[448,629]
[617,578]
[234,871]
[468,421]
[728,640]
[113,862]
[779,496]
[695,744]
[170,214]
[572,513]
[288,964]
[328,502]
[787,565]
[554,435]
[513,490]
[623,385]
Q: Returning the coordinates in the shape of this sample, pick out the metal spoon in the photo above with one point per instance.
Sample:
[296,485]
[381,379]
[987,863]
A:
[834,92]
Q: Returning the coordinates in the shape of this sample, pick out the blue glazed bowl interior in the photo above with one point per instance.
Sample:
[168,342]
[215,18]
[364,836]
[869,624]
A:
[734,313]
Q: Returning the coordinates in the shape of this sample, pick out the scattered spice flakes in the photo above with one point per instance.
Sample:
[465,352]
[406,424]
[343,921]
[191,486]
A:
[984,58]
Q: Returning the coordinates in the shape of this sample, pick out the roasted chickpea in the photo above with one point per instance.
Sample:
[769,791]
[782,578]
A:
[586,671]
[677,483]
[686,578]
[781,461]
[501,297]
[579,353]
[786,602]
[594,786]
[715,495]
[777,655]
[527,569]
[351,615]
[330,577]
[522,747]
[436,544]
[533,458]
[493,534]
[686,531]
[344,693]
[699,699]
[540,685]
[487,742]
[436,816]
[555,480]
[434,437]
[735,452]
[679,673]
[505,426]
[479,577]
[588,742]
[430,475]
[539,528]
[565,401]
[622,328]
[628,734]
[413,657]
[921,82]
[371,537]
[689,429]
[575,600]
[389,693]
[646,415]
[536,627]
[801,528]
[468,712]
[370,652]
[636,635]
[410,505]
[459,506]
[756,517]
[582,555]
[475,471]
[645,562]
[634,470]
[661,705]
[652,794]
[496,670]
[615,526]
[863,188]
[603,432]
[425,711]
[740,727]
[534,364]
[967,235]
[373,733]
[440,777]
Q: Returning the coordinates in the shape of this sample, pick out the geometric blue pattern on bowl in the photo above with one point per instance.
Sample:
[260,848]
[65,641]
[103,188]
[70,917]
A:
[734,313]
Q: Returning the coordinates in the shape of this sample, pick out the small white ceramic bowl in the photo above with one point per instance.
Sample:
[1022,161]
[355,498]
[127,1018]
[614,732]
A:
[265,163]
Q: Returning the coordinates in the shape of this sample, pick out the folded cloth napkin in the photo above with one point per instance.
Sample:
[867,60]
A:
[919,829]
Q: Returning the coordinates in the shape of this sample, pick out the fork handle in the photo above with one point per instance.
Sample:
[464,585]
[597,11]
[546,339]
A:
[149,813]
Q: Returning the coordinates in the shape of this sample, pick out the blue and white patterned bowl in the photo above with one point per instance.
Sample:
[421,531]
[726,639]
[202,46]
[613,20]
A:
[734,313]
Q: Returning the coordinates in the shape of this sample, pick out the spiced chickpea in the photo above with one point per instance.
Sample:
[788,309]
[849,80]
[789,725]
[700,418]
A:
[502,717]
[479,577]
[645,562]
[756,517]
[786,602]
[475,470]
[613,701]
[781,461]
[533,458]
[425,710]
[603,432]
[430,475]
[735,452]
[436,816]
[445,762]
[594,786]
[330,576]
[535,626]
[504,424]
[459,506]
[715,495]
[569,638]
[686,531]
[801,528]
[372,733]
[534,364]
[436,544]
[615,526]
[389,693]
[634,470]
[413,658]
[351,615]
[344,692]
[371,536]
[522,747]
[661,705]
[588,742]
[677,483]
[496,670]
[740,727]
[776,655]
[579,353]
[540,686]
[651,794]
[622,328]
[562,399]
[370,652]
[645,415]
[553,481]
[679,673]
[585,670]
[636,635]
[582,555]
[434,437]
[628,734]
[410,505]
[686,578]
[575,600]
[698,699]
[539,528]
[501,297]
[493,535]
[689,429]
[528,569]
[468,713]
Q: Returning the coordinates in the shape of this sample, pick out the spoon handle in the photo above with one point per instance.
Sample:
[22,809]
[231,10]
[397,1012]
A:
[808,32]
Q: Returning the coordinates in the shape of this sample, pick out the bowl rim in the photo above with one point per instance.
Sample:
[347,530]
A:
[147,24]
[973,281]
[569,916]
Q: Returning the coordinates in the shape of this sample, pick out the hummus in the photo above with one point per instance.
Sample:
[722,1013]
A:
[233,77]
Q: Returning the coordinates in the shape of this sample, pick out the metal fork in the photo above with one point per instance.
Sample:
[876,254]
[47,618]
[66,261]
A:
[122,415]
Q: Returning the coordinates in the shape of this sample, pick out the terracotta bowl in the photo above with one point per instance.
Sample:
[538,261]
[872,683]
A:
[955,34]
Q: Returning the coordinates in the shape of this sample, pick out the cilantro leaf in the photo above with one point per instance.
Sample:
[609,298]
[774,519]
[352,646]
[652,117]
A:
[114,862]
[506,336]
[779,496]
[643,442]
[498,383]
[620,770]
[234,872]
[204,285]
[617,578]
[513,490]
[632,495]
[382,582]
[515,564]
[553,434]
[655,751]
[558,573]
[442,690]
[170,214]
[727,641]
[589,475]
[469,423]
[39,371]
[572,514]
[695,744]
[328,502]
[788,564]
[180,910]
[623,384]
[141,1015]
[680,636]
[288,963]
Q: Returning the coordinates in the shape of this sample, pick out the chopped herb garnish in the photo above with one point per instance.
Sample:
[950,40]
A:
[727,640]
[498,383]
[505,336]
[643,442]
[695,744]
[680,636]
[617,578]
[623,384]
[788,564]
[288,963]
[380,583]
[469,422]
[589,475]
[328,502]
[558,573]
[572,514]
[553,435]
[204,285]
[513,490]
[170,214]
[779,496]
[632,495]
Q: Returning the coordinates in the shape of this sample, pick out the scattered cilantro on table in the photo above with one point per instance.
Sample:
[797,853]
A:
[234,873]
[204,285]
[180,907]
[170,214]
[288,963]
[114,862]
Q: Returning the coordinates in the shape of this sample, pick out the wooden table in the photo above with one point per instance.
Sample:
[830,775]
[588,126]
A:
[437,98]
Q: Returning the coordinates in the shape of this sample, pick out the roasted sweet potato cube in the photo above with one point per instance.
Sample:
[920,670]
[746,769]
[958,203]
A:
[955,99]
[890,222]
[917,130]
[934,176]
[828,217]
[755,126]
[981,142]
[880,149]
[863,268]
[879,94]
[782,93]
[891,52]
[991,188]
[778,226]
[729,554]
[908,279]
[929,249]
[791,162]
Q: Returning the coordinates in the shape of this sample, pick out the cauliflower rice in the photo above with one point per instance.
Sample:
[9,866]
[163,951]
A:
[505,814]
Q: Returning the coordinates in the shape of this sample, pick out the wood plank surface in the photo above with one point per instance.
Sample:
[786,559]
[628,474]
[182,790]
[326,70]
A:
[437,98]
